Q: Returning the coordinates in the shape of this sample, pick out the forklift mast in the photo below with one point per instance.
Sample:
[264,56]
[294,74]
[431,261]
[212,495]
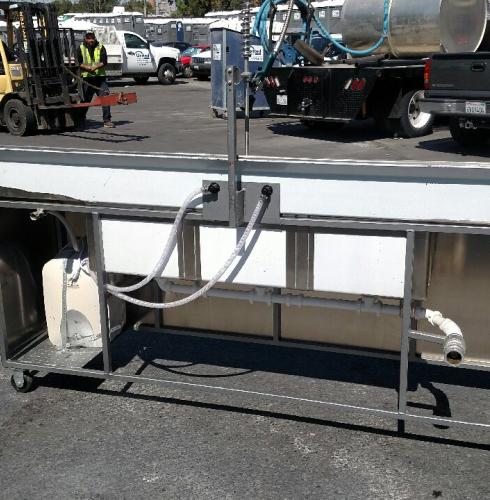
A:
[47,53]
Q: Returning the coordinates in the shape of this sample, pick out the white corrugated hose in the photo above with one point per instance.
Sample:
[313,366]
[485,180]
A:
[199,293]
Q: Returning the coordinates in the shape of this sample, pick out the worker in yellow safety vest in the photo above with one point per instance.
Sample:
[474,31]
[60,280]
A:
[92,58]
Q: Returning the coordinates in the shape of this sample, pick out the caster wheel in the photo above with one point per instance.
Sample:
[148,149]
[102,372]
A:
[22,382]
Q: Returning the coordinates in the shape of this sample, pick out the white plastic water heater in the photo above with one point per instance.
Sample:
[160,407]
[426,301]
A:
[71,301]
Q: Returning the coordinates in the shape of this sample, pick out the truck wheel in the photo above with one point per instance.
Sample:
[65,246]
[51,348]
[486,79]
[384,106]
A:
[188,73]
[166,74]
[413,121]
[467,136]
[141,80]
[19,119]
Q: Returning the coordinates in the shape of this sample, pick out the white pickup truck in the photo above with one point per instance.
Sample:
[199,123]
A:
[130,55]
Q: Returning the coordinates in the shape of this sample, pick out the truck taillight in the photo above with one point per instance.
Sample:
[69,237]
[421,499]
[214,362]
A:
[427,68]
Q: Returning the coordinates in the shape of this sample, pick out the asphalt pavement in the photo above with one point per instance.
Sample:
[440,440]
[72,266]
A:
[178,118]
[77,438]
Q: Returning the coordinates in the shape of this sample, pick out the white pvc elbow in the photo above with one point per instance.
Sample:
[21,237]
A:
[454,346]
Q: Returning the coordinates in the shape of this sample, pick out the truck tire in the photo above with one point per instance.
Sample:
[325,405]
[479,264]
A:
[188,73]
[141,80]
[413,122]
[19,118]
[166,74]
[468,136]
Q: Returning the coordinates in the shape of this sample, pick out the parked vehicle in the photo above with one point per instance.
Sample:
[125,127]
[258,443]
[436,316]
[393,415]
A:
[186,58]
[381,71]
[176,45]
[130,55]
[458,87]
[201,65]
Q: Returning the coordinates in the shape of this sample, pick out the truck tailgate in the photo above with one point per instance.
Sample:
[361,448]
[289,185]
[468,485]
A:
[460,75]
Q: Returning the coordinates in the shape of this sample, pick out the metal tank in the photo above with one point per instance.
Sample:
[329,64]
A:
[417,27]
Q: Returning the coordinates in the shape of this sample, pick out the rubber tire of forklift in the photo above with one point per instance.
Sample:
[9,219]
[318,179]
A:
[28,383]
[468,137]
[166,74]
[188,73]
[26,121]
[141,80]
[403,126]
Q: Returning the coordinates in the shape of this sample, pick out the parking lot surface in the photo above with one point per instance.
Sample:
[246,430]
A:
[86,439]
[178,118]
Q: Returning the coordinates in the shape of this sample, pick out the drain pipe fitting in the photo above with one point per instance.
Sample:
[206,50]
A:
[454,346]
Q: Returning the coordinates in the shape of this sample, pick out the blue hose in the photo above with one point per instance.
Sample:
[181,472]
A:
[262,22]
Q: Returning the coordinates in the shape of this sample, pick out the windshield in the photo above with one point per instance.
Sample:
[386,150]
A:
[191,51]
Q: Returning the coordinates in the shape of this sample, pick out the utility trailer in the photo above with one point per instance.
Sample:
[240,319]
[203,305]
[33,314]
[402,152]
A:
[338,92]
[339,256]
[334,240]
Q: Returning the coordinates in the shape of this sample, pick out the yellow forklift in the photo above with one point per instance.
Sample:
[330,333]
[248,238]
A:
[40,83]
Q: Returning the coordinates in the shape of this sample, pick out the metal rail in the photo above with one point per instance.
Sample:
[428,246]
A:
[401,415]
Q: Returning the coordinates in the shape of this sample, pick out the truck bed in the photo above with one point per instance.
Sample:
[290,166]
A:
[337,91]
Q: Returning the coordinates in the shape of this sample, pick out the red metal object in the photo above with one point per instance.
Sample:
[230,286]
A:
[427,69]
[121,98]
[358,85]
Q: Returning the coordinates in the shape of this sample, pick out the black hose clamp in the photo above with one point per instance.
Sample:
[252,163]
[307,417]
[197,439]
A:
[214,188]
[266,191]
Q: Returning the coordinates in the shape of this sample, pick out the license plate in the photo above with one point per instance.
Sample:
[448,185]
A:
[282,100]
[477,108]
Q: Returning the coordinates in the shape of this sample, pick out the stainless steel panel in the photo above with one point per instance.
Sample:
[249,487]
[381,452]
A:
[22,317]
[460,288]
[463,24]
[417,27]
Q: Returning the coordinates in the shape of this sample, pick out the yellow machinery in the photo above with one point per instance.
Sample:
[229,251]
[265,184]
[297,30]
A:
[40,84]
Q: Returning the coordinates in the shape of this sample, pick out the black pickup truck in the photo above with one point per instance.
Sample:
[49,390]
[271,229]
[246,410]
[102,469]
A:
[458,86]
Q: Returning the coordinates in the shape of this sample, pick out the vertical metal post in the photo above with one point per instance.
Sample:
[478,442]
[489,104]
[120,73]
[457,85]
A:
[157,297]
[3,331]
[276,319]
[99,269]
[233,178]
[246,14]
[406,323]
[247,108]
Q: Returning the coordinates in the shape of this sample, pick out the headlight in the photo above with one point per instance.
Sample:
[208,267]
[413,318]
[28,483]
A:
[207,61]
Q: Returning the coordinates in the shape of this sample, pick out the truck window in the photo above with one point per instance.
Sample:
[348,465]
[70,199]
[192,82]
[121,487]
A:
[134,41]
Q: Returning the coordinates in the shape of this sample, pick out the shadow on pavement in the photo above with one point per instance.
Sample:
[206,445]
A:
[450,147]
[89,385]
[95,131]
[191,359]
[353,132]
